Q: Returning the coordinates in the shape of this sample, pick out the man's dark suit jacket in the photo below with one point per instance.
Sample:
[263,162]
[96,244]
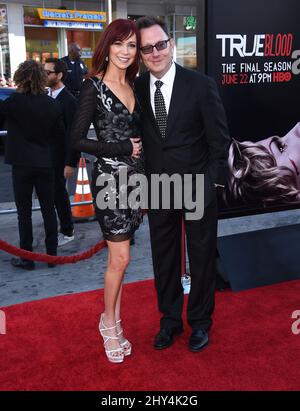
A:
[196,139]
[34,126]
[67,156]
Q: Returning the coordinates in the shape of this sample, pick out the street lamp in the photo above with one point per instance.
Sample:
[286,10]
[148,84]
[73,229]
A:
[109,11]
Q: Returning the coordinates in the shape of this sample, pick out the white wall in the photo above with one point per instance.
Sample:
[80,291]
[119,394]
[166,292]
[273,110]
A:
[16,36]
[121,10]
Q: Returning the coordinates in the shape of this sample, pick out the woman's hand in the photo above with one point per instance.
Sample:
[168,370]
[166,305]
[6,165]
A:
[137,147]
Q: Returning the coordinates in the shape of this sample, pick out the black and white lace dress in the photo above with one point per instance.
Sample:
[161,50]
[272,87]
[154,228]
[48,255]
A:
[114,126]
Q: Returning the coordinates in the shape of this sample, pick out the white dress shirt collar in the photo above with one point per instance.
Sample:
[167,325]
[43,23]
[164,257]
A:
[166,88]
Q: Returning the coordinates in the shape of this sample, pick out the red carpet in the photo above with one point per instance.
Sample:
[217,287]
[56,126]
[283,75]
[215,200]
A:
[54,344]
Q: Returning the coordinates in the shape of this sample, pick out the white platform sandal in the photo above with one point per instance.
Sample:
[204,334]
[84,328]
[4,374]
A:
[125,344]
[116,355]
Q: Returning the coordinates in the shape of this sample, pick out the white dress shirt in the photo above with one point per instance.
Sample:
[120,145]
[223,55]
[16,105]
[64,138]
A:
[166,88]
[55,93]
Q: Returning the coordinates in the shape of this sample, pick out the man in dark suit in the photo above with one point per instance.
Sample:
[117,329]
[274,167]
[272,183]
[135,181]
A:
[184,132]
[66,158]
[76,69]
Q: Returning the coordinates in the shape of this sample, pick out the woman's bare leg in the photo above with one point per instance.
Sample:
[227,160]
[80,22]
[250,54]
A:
[118,260]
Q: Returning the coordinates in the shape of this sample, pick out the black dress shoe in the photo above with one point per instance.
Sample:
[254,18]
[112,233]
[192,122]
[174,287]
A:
[198,340]
[165,337]
[24,264]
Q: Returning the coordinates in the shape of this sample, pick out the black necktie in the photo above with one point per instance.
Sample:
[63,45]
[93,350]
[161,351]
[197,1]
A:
[160,109]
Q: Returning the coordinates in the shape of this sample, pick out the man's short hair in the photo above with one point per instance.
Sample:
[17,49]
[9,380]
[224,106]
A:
[149,21]
[59,67]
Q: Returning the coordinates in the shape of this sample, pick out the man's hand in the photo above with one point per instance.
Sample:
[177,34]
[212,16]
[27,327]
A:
[69,171]
[137,147]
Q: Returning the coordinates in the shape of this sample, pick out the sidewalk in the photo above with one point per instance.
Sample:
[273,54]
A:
[17,286]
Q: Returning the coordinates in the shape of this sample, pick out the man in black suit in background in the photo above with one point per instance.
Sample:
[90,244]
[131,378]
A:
[66,159]
[184,131]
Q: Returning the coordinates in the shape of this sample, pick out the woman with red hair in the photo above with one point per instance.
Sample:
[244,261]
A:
[108,101]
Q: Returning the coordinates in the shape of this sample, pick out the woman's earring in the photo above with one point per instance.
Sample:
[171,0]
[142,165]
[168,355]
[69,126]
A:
[106,58]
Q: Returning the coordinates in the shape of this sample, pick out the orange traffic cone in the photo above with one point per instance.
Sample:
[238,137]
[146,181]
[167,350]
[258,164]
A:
[83,193]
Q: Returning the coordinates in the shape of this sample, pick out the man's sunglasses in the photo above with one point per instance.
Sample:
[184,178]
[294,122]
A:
[161,45]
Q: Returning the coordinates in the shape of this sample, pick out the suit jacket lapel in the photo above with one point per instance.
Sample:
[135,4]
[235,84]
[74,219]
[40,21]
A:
[145,102]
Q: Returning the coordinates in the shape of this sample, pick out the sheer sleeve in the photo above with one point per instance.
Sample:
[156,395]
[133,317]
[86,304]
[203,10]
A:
[82,121]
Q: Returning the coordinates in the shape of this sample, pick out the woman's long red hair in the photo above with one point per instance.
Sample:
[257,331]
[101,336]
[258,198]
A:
[118,30]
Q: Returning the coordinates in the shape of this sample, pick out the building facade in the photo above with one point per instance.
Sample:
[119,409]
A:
[38,29]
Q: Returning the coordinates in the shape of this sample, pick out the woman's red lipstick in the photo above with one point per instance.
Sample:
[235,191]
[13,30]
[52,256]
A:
[295,167]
